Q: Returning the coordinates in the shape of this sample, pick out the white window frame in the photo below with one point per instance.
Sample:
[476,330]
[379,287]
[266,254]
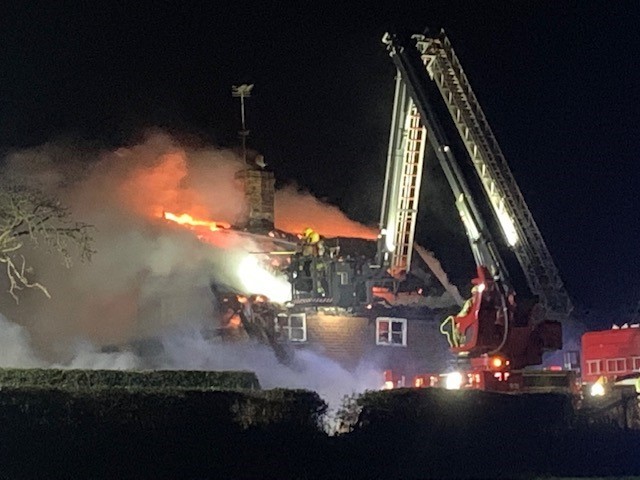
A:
[389,342]
[635,361]
[615,363]
[591,364]
[287,328]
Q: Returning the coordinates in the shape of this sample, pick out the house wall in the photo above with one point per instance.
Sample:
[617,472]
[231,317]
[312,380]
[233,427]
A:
[341,338]
[351,340]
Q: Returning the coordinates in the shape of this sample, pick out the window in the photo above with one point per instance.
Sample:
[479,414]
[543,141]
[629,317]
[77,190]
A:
[616,365]
[636,364]
[344,278]
[594,367]
[391,331]
[293,326]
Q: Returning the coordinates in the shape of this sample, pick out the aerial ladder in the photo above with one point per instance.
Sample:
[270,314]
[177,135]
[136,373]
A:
[491,321]
[407,142]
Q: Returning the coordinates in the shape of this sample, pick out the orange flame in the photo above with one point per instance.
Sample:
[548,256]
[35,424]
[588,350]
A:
[186,219]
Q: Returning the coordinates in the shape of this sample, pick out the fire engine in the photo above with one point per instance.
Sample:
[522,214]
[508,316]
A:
[494,336]
[610,357]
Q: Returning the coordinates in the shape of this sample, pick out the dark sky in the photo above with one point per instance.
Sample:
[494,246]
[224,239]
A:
[558,81]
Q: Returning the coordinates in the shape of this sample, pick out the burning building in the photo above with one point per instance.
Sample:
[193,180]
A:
[301,290]
[178,246]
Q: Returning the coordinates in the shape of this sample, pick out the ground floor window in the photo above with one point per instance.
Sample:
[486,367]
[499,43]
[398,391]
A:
[636,364]
[391,331]
[293,326]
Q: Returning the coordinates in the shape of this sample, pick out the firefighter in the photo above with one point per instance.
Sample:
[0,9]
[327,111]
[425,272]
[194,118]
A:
[310,240]
[313,252]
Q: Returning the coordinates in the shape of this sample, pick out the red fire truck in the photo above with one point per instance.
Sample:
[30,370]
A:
[610,357]
[494,337]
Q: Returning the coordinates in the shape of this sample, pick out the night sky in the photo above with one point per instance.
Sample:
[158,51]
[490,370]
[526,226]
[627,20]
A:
[558,82]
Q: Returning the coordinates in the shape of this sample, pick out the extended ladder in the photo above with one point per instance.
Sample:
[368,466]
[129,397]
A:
[402,182]
[513,215]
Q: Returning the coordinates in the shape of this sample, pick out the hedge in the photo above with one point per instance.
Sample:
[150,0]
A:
[466,409]
[76,379]
[122,433]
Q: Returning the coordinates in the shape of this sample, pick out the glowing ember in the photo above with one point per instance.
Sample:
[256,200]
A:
[186,219]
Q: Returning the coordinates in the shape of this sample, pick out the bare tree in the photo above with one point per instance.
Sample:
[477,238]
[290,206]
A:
[29,216]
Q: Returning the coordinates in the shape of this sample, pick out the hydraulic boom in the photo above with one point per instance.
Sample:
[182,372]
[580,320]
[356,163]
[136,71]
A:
[518,225]
[490,321]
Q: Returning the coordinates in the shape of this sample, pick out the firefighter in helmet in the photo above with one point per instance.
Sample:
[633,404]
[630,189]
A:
[310,240]
[314,266]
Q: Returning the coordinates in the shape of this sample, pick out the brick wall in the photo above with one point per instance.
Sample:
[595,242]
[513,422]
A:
[259,193]
[350,340]
[341,338]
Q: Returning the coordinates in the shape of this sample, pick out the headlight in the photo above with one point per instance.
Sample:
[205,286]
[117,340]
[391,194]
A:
[453,381]
[597,390]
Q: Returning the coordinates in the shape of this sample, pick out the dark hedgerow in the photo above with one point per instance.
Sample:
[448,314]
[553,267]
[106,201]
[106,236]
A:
[76,379]
[73,431]
[154,433]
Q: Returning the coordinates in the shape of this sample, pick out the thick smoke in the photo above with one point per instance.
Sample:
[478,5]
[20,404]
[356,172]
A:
[309,370]
[296,210]
[143,264]
[15,346]
[151,278]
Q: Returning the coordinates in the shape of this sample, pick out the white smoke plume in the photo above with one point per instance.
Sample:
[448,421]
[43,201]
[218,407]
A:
[15,347]
[149,277]
[142,262]
[436,268]
[310,370]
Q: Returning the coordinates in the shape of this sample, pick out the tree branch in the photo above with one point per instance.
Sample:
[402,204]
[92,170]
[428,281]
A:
[30,213]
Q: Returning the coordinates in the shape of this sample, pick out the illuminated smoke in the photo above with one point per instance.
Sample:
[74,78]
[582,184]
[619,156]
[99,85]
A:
[143,264]
[296,210]
[256,280]
[15,346]
[310,370]
[187,349]
[150,277]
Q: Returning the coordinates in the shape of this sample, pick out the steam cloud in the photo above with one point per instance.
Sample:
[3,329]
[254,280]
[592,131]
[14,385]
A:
[150,278]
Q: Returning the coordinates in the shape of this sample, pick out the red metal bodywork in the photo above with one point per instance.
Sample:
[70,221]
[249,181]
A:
[507,381]
[610,354]
[498,339]
[492,327]
[477,380]
[468,323]
[485,373]
[491,323]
